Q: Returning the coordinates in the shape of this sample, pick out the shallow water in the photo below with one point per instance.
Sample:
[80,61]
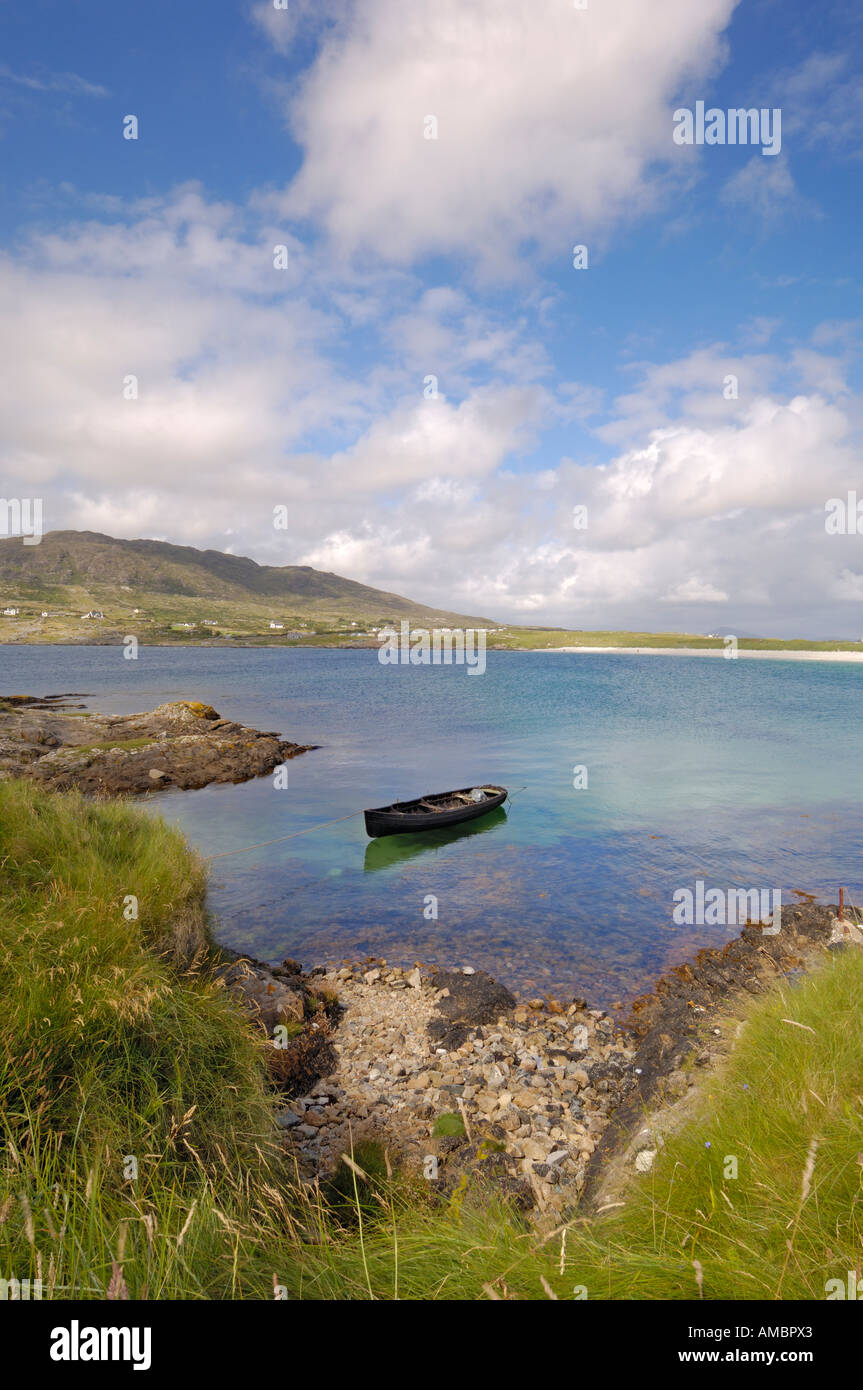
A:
[739,773]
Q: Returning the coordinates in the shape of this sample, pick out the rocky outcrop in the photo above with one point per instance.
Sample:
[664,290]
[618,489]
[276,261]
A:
[181,744]
[686,1025]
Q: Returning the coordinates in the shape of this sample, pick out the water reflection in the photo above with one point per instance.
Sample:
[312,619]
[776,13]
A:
[393,850]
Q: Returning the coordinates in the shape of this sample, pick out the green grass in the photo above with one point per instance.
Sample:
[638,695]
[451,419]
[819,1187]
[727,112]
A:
[323,621]
[114,1042]
[130,744]
[532,638]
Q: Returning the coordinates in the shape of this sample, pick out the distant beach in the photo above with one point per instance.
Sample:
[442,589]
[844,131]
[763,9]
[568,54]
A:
[781,655]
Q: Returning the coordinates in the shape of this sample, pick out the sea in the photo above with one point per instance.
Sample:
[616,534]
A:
[632,779]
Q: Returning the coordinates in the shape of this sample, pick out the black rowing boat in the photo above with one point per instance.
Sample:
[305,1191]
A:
[433,812]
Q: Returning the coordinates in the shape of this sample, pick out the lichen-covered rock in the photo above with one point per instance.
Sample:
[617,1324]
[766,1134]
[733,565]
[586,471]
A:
[184,743]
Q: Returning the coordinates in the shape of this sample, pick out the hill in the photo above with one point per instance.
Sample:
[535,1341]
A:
[160,586]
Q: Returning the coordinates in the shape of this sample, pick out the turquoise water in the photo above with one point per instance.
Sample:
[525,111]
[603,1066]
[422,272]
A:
[740,773]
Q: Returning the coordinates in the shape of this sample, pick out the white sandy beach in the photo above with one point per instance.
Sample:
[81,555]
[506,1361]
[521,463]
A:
[714,651]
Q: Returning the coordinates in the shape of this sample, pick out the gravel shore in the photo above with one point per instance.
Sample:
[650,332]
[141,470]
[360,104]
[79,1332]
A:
[527,1088]
[536,1100]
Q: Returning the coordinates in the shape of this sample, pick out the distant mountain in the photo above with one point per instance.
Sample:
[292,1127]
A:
[108,570]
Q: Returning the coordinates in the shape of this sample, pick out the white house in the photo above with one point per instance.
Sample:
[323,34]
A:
[277,625]
[11,612]
[210,622]
[94,613]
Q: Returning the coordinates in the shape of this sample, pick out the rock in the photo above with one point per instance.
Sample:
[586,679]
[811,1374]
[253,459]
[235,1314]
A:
[112,755]
[533,1150]
[644,1160]
[845,933]
[466,1001]
[397,1071]
[643,1140]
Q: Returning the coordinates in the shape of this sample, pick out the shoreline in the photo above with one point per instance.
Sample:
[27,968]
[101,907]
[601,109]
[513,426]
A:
[575,1099]
[547,1105]
[386,1054]
[253,644]
[780,654]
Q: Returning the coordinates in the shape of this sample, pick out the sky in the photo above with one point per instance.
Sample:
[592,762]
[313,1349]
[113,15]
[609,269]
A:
[336,273]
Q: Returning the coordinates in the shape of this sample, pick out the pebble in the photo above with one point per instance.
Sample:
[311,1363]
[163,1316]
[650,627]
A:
[512,1077]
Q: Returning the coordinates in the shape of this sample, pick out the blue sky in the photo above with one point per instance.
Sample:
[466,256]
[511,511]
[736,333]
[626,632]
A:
[450,257]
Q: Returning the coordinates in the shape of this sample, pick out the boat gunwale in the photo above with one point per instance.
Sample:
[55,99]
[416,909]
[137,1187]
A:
[396,820]
[402,808]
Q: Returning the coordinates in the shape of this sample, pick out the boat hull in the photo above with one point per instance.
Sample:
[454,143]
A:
[390,820]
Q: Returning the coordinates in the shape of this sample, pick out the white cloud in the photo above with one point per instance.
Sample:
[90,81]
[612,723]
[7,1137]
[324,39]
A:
[695,590]
[766,189]
[66,82]
[708,510]
[822,101]
[549,121]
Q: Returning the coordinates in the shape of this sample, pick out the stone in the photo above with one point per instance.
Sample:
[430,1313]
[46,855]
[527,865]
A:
[533,1150]
[643,1140]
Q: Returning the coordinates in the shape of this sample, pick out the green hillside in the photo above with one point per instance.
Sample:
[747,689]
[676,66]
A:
[71,573]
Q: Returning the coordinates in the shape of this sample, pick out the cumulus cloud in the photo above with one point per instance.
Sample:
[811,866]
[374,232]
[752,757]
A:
[547,120]
[397,416]
[711,507]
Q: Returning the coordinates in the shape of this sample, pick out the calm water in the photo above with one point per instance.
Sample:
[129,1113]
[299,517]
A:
[740,773]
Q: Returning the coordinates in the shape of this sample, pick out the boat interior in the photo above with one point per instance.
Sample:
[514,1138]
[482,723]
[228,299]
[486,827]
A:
[444,801]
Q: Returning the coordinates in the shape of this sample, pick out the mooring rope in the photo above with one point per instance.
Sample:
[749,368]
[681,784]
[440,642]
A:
[263,843]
